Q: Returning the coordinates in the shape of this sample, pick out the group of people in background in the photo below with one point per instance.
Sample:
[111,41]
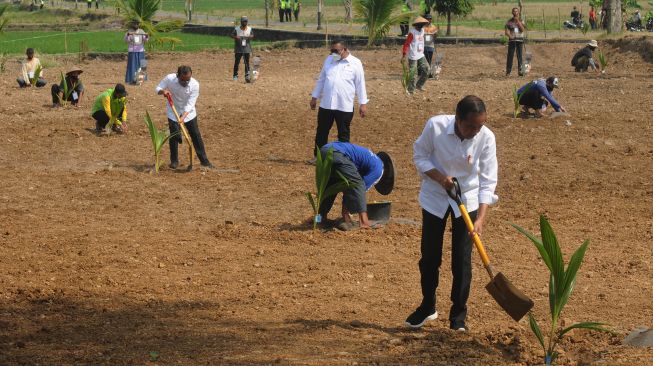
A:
[288,8]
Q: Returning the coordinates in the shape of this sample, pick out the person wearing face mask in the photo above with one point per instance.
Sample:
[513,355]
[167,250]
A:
[74,86]
[242,36]
[184,91]
[28,71]
[538,94]
[414,50]
[452,146]
[340,80]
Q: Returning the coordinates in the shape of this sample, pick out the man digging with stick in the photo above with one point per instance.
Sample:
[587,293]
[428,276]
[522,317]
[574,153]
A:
[182,91]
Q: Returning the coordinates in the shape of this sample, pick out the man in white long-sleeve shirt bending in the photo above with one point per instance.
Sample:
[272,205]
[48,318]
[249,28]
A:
[342,77]
[457,146]
[184,90]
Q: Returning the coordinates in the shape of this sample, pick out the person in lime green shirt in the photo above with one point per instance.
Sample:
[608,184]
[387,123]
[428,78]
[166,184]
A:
[110,110]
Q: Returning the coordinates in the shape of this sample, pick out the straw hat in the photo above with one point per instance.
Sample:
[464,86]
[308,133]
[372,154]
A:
[74,69]
[593,43]
[420,20]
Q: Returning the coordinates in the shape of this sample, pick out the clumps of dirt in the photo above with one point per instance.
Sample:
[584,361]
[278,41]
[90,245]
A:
[641,45]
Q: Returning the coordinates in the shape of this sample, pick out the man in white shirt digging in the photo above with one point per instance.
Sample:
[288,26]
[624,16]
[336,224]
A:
[341,79]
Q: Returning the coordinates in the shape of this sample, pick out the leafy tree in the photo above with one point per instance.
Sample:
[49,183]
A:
[455,7]
[379,16]
[3,19]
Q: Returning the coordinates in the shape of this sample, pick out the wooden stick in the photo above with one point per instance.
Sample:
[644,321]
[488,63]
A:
[184,132]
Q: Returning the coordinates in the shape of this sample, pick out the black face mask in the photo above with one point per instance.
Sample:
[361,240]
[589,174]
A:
[184,83]
[418,27]
[549,88]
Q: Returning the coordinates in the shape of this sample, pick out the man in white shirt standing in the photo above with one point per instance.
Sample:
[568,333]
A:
[342,77]
[184,90]
[457,146]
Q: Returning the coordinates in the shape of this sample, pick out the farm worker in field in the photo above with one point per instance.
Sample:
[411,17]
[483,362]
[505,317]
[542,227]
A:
[363,169]
[242,36]
[89,4]
[452,146]
[538,94]
[282,9]
[430,32]
[414,50]
[135,38]
[403,25]
[297,6]
[111,106]
[184,90]
[72,84]
[341,78]
[583,58]
[514,30]
[28,70]
[592,17]
[575,16]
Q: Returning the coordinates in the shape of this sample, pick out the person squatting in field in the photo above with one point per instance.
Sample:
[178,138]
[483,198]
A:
[340,80]
[184,91]
[74,86]
[583,58]
[414,50]
[364,170]
[111,106]
[459,146]
[537,94]
[28,68]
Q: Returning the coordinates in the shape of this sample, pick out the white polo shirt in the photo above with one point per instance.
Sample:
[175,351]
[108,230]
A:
[184,98]
[338,82]
[472,161]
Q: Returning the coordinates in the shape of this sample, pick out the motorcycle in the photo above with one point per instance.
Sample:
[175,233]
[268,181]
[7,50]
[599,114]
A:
[573,24]
[634,26]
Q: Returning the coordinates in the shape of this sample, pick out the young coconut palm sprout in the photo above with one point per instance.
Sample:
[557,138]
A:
[159,138]
[323,166]
[37,75]
[117,106]
[602,61]
[516,98]
[407,75]
[66,91]
[561,284]
[379,16]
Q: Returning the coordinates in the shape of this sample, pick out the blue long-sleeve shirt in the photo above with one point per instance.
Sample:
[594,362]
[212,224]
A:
[369,166]
[540,86]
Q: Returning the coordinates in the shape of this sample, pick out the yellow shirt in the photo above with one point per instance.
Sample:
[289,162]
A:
[28,68]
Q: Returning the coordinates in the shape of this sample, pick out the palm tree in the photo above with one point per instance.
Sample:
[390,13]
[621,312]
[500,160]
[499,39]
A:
[141,12]
[379,16]
[3,20]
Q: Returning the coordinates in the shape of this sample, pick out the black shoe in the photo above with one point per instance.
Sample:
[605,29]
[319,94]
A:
[174,165]
[208,166]
[421,316]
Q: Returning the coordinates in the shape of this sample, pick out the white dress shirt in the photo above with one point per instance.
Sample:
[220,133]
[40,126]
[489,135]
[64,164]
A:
[339,80]
[472,161]
[184,97]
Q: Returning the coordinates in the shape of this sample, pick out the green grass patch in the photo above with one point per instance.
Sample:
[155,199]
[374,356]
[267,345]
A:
[210,5]
[100,41]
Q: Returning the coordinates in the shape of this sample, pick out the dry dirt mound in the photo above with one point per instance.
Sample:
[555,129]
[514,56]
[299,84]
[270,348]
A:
[642,46]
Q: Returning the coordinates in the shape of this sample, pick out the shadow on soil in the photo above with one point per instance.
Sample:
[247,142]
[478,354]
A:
[52,330]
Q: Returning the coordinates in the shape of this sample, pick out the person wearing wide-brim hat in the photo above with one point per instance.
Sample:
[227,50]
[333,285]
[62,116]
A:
[363,170]
[583,58]
[74,86]
[414,50]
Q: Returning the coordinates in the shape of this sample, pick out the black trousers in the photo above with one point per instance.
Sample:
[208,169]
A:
[296,13]
[101,119]
[433,229]
[512,46]
[55,90]
[23,84]
[404,28]
[428,52]
[353,199]
[325,118]
[245,57]
[282,12]
[288,14]
[195,136]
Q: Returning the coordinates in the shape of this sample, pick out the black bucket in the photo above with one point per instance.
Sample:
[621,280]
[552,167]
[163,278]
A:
[379,211]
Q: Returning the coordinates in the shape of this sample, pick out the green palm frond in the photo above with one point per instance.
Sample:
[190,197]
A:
[159,138]
[378,17]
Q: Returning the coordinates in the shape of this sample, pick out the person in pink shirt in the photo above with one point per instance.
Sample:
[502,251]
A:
[136,39]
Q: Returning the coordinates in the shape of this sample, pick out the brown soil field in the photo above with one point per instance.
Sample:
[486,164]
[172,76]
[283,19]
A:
[104,262]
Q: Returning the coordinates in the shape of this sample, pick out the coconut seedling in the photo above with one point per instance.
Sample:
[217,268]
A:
[117,105]
[159,138]
[323,165]
[67,91]
[407,75]
[37,75]
[561,285]
[516,98]
[602,61]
